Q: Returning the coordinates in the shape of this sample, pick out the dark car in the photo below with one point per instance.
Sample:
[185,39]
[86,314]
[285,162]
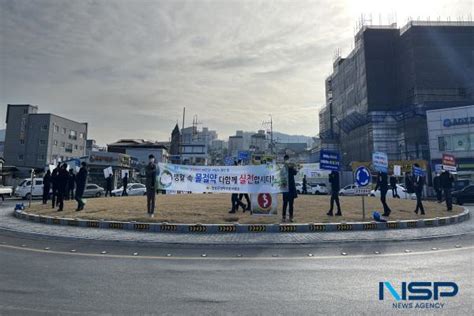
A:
[465,195]
[458,185]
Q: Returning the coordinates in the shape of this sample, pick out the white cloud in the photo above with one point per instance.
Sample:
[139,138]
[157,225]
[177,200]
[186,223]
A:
[128,67]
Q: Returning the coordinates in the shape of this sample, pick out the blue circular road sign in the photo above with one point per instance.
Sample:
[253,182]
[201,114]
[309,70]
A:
[362,176]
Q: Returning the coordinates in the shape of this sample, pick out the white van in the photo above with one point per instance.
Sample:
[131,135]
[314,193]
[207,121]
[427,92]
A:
[24,188]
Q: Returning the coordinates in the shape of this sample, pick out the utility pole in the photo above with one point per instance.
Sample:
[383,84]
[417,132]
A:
[271,132]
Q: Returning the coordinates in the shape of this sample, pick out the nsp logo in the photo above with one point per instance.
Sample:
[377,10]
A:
[417,291]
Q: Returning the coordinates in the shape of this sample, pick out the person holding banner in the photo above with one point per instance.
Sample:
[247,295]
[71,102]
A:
[150,173]
[245,195]
[334,180]
[108,185]
[236,202]
[382,183]
[290,196]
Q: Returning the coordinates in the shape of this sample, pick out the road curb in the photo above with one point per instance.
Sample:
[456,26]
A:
[244,228]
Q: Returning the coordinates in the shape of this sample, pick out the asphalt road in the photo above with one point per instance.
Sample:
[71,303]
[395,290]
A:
[62,276]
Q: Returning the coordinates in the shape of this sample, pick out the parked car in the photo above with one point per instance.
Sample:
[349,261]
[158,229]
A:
[465,195]
[402,193]
[348,190]
[132,189]
[458,185]
[317,188]
[23,189]
[5,191]
[93,190]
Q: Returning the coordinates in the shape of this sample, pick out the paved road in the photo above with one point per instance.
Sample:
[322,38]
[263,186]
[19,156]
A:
[41,275]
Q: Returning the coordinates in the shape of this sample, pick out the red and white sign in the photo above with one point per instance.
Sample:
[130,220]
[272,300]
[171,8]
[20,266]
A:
[449,162]
[264,204]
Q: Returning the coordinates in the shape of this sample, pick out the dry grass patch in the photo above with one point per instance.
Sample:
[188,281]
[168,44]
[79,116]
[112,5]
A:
[213,208]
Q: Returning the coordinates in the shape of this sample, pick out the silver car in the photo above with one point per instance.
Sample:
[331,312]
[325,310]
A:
[93,190]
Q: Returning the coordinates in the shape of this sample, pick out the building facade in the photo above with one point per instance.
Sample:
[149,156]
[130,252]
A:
[451,131]
[377,97]
[34,140]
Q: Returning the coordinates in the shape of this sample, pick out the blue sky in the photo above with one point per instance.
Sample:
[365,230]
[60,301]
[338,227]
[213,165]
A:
[129,67]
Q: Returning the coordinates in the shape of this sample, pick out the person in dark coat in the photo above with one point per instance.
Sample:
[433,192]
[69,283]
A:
[235,201]
[334,181]
[71,185]
[446,181]
[393,186]
[437,188]
[304,188]
[46,186]
[81,179]
[54,183]
[409,183]
[108,185]
[150,174]
[290,196]
[62,181]
[125,184]
[418,183]
[382,184]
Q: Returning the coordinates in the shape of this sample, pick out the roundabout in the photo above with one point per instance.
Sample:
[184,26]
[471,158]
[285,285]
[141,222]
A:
[207,213]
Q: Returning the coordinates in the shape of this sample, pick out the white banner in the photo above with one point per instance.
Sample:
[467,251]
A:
[266,178]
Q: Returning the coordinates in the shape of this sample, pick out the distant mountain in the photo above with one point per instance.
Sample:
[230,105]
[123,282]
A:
[286,138]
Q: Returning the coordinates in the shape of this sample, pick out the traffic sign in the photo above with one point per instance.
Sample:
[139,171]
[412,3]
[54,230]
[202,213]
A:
[362,191]
[362,176]
[229,161]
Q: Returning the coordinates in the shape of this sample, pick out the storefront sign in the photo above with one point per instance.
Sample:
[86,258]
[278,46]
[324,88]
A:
[458,121]
[449,162]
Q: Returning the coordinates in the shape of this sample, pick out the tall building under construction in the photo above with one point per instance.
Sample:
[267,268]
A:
[377,97]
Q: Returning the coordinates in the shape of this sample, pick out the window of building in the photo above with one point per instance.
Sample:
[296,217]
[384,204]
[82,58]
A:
[22,141]
[444,143]
[56,128]
[20,157]
[75,147]
[460,142]
[42,142]
[72,135]
[81,135]
[55,143]
[68,148]
[81,147]
[44,127]
[25,111]
[41,157]
[63,144]
[64,130]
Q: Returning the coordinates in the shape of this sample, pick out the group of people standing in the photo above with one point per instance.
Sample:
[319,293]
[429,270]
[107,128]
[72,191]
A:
[443,185]
[62,184]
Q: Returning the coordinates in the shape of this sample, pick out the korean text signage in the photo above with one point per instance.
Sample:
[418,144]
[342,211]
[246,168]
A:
[417,295]
[268,178]
[449,162]
[380,161]
[329,160]
[458,121]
